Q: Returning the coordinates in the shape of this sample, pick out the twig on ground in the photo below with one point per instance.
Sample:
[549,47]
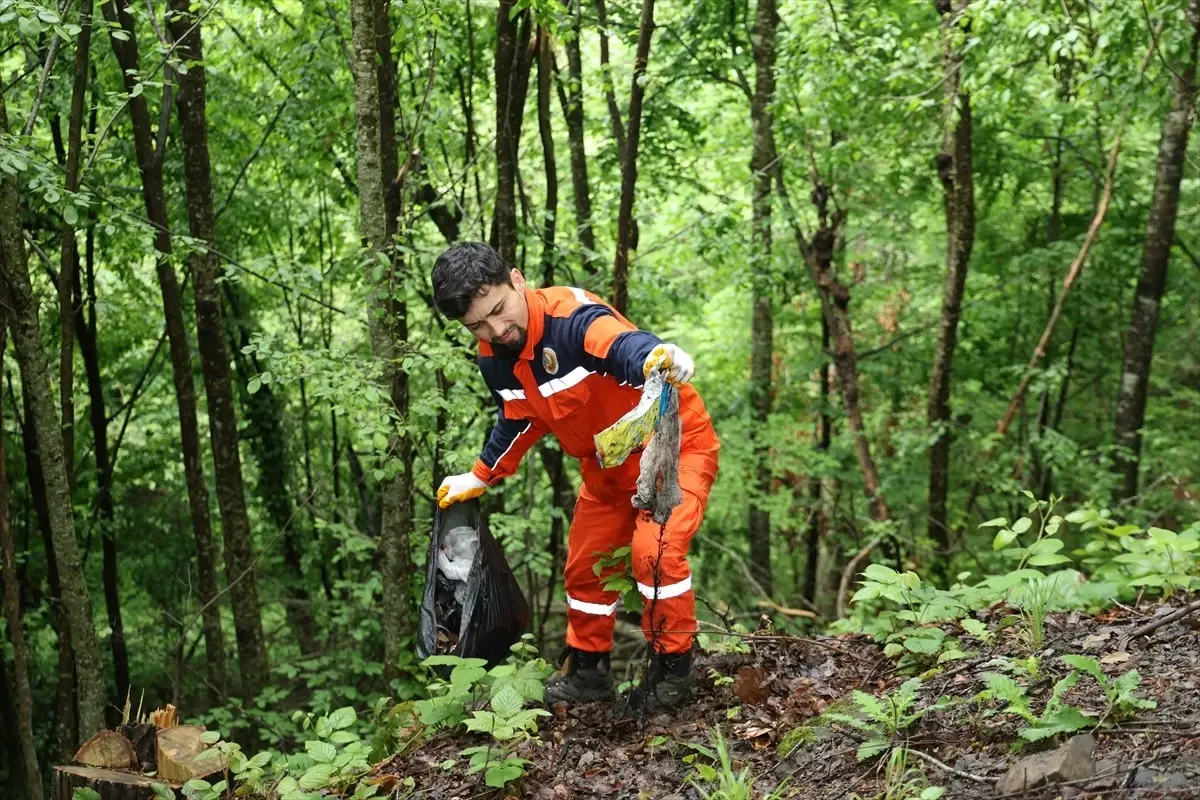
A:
[1153,625]
[947,768]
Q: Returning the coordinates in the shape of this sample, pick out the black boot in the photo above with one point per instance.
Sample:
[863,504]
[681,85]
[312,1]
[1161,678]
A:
[584,677]
[667,684]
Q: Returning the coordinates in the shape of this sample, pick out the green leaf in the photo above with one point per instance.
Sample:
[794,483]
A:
[1022,525]
[880,573]
[1003,539]
[210,737]
[497,776]
[161,792]
[998,522]
[1049,559]
[380,441]
[932,792]
[894,649]
[977,629]
[467,675]
[286,785]
[196,785]
[70,214]
[344,737]
[873,747]
[507,701]
[85,794]
[343,718]
[1084,664]
[254,384]
[316,776]
[321,752]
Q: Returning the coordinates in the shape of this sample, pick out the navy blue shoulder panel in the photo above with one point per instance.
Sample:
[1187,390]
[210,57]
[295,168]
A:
[497,373]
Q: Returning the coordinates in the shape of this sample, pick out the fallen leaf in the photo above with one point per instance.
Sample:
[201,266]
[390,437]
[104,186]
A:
[751,685]
[1120,657]
[1095,640]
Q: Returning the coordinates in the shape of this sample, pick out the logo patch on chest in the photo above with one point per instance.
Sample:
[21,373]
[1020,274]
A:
[550,361]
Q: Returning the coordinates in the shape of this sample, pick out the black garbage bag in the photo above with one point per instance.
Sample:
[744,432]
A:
[473,606]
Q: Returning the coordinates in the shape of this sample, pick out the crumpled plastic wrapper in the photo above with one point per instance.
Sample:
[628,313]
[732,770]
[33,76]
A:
[632,432]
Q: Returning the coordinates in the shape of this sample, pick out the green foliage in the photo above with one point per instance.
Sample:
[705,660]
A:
[332,762]
[882,719]
[903,782]
[1059,717]
[714,776]
[508,688]
[619,578]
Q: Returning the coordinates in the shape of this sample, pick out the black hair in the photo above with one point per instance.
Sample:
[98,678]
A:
[463,272]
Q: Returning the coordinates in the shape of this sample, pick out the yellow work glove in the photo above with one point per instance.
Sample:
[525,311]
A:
[676,364]
[459,488]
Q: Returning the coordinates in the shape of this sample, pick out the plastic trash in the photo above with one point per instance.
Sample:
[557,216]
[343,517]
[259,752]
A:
[473,606]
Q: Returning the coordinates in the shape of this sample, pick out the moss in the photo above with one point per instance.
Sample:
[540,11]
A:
[797,738]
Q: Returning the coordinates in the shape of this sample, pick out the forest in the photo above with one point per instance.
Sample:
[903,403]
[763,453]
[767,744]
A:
[937,263]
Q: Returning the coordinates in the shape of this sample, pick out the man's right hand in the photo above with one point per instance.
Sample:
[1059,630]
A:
[459,488]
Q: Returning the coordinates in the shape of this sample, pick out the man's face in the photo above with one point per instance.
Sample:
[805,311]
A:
[500,316]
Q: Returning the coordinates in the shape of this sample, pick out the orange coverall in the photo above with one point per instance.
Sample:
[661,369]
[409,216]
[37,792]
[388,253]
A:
[580,371]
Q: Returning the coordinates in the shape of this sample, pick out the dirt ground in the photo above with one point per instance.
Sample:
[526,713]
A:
[785,682]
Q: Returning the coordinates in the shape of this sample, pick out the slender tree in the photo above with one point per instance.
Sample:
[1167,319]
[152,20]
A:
[12,618]
[513,61]
[629,153]
[1156,254]
[239,558]
[571,99]
[958,203]
[18,296]
[762,322]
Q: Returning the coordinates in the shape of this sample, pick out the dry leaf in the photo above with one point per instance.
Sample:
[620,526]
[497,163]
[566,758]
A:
[1120,657]
[1095,640]
[751,685]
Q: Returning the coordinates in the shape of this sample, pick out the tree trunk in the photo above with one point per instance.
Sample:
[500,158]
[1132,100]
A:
[761,322]
[1156,253]
[958,198]
[513,62]
[16,630]
[546,134]
[572,105]
[629,153]
[818,522]
[268,441]
[239,566]
[610,94]
[35,379]
[70,253]
[66,729]
[374,107]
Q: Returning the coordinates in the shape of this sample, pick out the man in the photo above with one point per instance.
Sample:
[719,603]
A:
[561,361]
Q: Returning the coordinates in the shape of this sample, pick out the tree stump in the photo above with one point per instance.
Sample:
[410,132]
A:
[110,785]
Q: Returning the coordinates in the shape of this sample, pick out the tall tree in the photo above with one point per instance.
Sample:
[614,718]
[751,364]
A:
[958,204]
[762,327]
[70,255]
[239,564]
[18,296]
[1156,253]
[571,100]
[12,618]
[379,199]
[629,153]
[514,57]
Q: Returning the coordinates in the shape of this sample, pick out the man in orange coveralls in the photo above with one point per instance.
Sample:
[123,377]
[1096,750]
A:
[562,361]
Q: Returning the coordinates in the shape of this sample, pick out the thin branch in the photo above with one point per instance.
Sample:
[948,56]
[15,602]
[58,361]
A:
[166,57]
[1153,625]
[253,156]
[947,768]
[51,55]
[848,574]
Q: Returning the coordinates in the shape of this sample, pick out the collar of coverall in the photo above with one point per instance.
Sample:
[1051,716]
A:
[536,324]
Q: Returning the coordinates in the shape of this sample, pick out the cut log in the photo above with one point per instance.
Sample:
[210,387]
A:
[107,750]
[144,740]
[106,783]
[179,750]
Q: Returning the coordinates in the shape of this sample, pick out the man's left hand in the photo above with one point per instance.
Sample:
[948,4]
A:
[676,364]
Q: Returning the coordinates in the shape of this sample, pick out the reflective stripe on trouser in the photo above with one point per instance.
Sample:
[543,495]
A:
[663,576]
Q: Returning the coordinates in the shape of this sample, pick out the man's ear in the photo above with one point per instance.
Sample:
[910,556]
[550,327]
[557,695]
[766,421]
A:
[518,280]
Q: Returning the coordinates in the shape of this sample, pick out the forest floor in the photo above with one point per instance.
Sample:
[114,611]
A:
[784,683]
